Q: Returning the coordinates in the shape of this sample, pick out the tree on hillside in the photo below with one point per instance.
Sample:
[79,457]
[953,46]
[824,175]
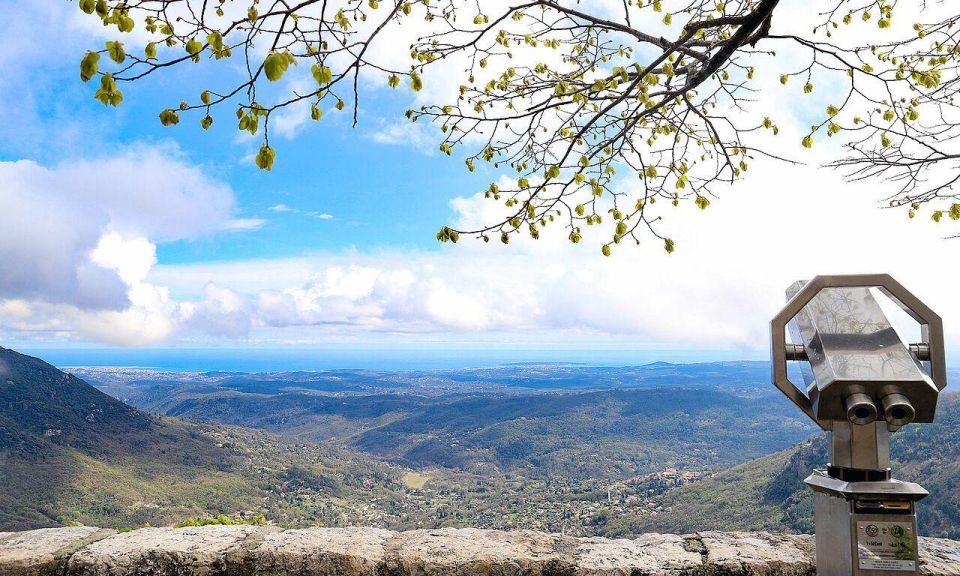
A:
[563,96]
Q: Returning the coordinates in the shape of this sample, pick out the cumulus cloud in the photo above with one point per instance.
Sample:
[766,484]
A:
[719,289]
[78,239]
[222,313]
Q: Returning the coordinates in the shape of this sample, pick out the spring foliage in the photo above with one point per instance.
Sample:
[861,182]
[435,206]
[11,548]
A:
[596,117]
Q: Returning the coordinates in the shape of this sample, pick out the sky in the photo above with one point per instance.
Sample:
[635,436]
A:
[116,232]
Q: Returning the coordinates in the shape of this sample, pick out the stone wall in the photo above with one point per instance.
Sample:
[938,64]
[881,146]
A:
[269,551]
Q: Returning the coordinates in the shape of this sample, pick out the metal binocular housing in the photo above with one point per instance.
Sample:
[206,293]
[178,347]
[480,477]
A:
[858,368]
[862,382]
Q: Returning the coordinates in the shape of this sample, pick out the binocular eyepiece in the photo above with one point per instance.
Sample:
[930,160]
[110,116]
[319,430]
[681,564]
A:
[860,408]
[897,409]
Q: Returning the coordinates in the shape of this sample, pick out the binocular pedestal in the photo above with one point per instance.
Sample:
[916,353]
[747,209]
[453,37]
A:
[863,383]
[866,528]
[866,522]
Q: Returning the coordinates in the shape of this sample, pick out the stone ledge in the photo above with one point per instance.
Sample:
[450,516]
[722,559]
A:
[269,551]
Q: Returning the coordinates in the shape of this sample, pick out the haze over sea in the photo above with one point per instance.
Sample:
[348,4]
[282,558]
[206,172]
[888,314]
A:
[293,359]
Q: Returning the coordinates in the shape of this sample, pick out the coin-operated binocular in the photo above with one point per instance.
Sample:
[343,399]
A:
[863,382]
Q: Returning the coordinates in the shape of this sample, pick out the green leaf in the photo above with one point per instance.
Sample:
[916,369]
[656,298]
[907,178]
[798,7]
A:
[116,52]
[605,250]
[668,245]
[108,94]
[553,172]
[322,74]
[168,117]
[88,6]
[88,66]
[316,112]
[393,81]
[125,23]
[150,50]
[215,40]
[194,47]
[274,65]
[206,122]
[415,82]
[265,158]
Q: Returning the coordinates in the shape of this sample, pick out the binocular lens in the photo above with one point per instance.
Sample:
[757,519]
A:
[861,409]
[897,410]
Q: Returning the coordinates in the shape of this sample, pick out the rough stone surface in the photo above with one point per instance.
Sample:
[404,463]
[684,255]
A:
[646,554]
[197,551]
[269,551]
[43,552]
[758,553]
[322,552]
[939,556]
[473,552]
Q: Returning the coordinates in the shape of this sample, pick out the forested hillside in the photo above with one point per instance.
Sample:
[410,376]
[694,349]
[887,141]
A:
[768,493]
[540,421]
[70,453]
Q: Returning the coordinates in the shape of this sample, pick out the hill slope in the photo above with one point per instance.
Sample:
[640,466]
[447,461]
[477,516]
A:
[768,493]
[69,452]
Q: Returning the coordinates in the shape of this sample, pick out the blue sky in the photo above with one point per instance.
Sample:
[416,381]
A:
[124,233]
[389,201]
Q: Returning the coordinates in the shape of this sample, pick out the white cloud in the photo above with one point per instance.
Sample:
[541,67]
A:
[245,224]
[285,209]
[719,289]
[221,313]
[131,259]
[78,239]
[289,121]
[402,132]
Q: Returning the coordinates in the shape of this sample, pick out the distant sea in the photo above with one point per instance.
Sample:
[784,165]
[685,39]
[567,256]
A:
[292,359]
